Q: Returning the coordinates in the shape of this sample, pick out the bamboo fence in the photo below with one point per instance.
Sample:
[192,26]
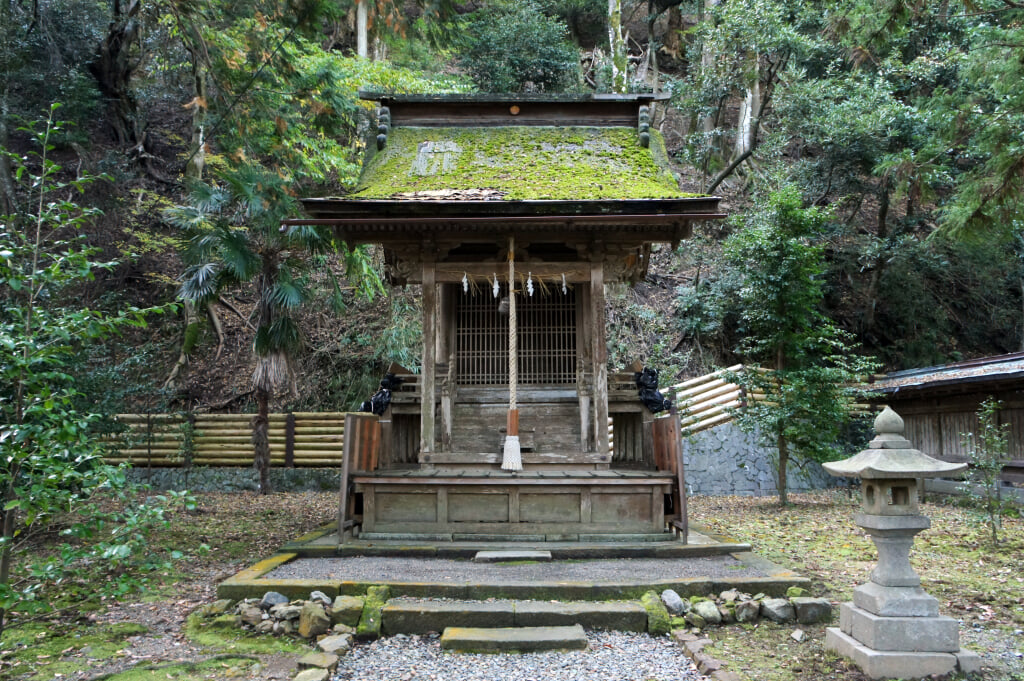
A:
[300,439]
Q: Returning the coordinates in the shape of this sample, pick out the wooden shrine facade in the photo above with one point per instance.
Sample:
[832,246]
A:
[440,197]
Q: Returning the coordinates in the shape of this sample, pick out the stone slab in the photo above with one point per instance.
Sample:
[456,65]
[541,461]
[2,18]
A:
[878,664]
[910,634]
[617,616]
[968,662]
[895,601]
[510,556]
[407,616]
[513,639]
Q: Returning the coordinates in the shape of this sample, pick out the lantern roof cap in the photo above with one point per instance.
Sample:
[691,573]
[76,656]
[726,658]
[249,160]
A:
[890,456]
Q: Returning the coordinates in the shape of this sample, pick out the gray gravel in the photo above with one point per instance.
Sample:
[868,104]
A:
[612,657]
[439,570]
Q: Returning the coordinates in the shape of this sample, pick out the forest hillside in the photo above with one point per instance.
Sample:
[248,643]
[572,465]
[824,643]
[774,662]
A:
[187,130]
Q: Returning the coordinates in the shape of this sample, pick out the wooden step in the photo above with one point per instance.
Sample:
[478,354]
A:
[513,639]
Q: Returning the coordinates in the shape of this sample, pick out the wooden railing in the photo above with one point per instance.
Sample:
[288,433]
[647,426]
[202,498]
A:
[707,401]
[301,439]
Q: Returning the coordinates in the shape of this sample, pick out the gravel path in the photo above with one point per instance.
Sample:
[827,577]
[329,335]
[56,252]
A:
[612,657]
[438,570]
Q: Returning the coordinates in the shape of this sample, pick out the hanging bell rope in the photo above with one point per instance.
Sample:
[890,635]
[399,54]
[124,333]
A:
[512,459]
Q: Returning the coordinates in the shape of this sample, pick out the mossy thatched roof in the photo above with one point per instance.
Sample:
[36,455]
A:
[518,163]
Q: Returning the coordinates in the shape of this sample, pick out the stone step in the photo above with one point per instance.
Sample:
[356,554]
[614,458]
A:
[419,616]
[513,639]
[511,556]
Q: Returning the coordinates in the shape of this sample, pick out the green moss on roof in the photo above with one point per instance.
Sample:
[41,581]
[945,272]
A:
[520,163]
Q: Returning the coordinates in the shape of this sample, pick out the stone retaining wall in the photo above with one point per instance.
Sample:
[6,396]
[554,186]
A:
[725,460]
[223,479]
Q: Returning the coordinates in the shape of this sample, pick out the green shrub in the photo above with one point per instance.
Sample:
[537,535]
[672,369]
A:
[516,48]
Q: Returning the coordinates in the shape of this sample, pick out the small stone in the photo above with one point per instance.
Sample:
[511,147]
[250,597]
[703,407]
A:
[313,621]
[727,613]
[286,611]
[759,597]
[287,626]
[729,596]
[812,610]
[797,635]
[778,610]
[672,602]
[265,627]
[748,611]
[272,598]
[216,608]
[695,620]
[342,629]
[320,597]
[708,611]
[326,661]
[337,645]
[250,614]
[312,675]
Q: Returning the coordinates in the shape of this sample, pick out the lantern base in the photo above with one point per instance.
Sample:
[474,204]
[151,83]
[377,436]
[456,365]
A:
[884,664]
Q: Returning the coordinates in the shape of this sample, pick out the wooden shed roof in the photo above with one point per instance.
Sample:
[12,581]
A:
[983,373]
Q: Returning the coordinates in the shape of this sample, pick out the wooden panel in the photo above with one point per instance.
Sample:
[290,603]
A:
[621,507]
[481,508]
[406,506]
[923,432]
[549,508]
[629,439]
[953,427]
[491,114]
[1014,417]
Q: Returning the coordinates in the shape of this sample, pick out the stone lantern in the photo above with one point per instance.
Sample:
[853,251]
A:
[893,629]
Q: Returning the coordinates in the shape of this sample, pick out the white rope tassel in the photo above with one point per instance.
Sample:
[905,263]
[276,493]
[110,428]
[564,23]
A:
[512,459]
[465,283]
[496,289]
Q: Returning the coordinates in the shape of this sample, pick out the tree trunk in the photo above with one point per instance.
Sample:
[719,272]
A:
[261,439]
[783,463]
[746,126]
[882,228]
[361,22]
[617,45]
[8,197]
[113,67]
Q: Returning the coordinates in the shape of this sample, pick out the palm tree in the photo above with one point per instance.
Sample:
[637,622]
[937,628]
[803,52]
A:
[234,235]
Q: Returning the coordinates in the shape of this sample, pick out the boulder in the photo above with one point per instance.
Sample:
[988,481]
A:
[265,627]
[728,614]
[812,610]
[777,610]
[272,598]
[313,621]
[658,620]
[672,601]
[747,611]
[708,611]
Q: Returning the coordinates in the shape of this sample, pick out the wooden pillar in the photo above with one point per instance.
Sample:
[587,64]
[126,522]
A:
[445,353]
[427,397]
[600,352]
